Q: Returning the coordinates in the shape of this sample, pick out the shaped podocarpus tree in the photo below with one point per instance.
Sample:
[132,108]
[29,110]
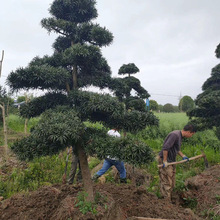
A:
[124,88]
[77,62]
[207,111]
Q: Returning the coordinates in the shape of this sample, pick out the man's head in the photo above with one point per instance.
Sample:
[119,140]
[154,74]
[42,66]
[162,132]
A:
[189,130]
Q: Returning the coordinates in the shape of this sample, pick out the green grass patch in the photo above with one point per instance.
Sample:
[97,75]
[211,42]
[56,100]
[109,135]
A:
[16,123]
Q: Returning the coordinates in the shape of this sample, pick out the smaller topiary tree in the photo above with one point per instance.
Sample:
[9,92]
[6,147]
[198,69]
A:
[124,87]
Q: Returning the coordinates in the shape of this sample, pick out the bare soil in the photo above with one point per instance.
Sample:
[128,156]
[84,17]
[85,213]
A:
[58,202]
[119,201]
[204,189]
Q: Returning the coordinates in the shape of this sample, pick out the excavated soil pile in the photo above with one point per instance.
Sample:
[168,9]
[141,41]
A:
[204,189]
[58,202]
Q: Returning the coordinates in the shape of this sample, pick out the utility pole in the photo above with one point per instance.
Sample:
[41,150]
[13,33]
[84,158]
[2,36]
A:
[1,61]
[180,102]
[2,106]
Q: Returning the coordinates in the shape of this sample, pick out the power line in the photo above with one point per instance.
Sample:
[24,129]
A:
[165,95]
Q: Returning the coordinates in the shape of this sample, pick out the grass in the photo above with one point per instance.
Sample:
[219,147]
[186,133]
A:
[16,123]
[41,171]
[172,121]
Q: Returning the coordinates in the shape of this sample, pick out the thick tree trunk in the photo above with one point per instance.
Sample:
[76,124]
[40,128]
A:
[73,169]
[86,176]
[25,126]
[5,132]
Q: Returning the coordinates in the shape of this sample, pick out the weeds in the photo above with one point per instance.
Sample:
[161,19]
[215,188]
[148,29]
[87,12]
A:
[41,171]
[85,206]
[190,202]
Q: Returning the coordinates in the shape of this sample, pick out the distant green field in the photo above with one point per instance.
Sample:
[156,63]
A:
[172,121]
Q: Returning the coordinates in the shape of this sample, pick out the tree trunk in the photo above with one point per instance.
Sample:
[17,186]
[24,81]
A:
[86,176]
[74,74]
[67,87]
[5,132]
[73,169]
[25,126]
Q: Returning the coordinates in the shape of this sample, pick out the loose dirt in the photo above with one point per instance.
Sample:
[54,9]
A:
[118,201]
[204,191]
[58,202]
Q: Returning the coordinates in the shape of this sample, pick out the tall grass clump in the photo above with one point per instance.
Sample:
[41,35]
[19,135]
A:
[16,123]
[40,172]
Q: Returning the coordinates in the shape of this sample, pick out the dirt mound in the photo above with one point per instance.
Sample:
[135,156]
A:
[58,202]
[136,175]
[204,191]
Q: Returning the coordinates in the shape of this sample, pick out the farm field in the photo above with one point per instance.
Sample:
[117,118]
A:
[35,189]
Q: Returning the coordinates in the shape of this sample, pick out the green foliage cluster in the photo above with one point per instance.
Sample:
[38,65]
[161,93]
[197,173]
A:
[39,105]
[130,68]
[168,108]
[186,104]
[54,132]
[128,149]
[154,105]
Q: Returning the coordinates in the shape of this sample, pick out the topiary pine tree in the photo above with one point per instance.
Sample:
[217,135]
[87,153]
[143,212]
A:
[76,62]
[207,111]
[122,88]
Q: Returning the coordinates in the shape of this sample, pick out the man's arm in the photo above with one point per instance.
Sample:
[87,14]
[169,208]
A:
[165,155]
[181,154]
[184,157]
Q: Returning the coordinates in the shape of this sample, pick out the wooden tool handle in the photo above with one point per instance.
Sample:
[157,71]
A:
[144,218]
[183,161]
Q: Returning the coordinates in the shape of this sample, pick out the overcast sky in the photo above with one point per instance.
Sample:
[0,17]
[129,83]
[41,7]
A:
[172,42]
